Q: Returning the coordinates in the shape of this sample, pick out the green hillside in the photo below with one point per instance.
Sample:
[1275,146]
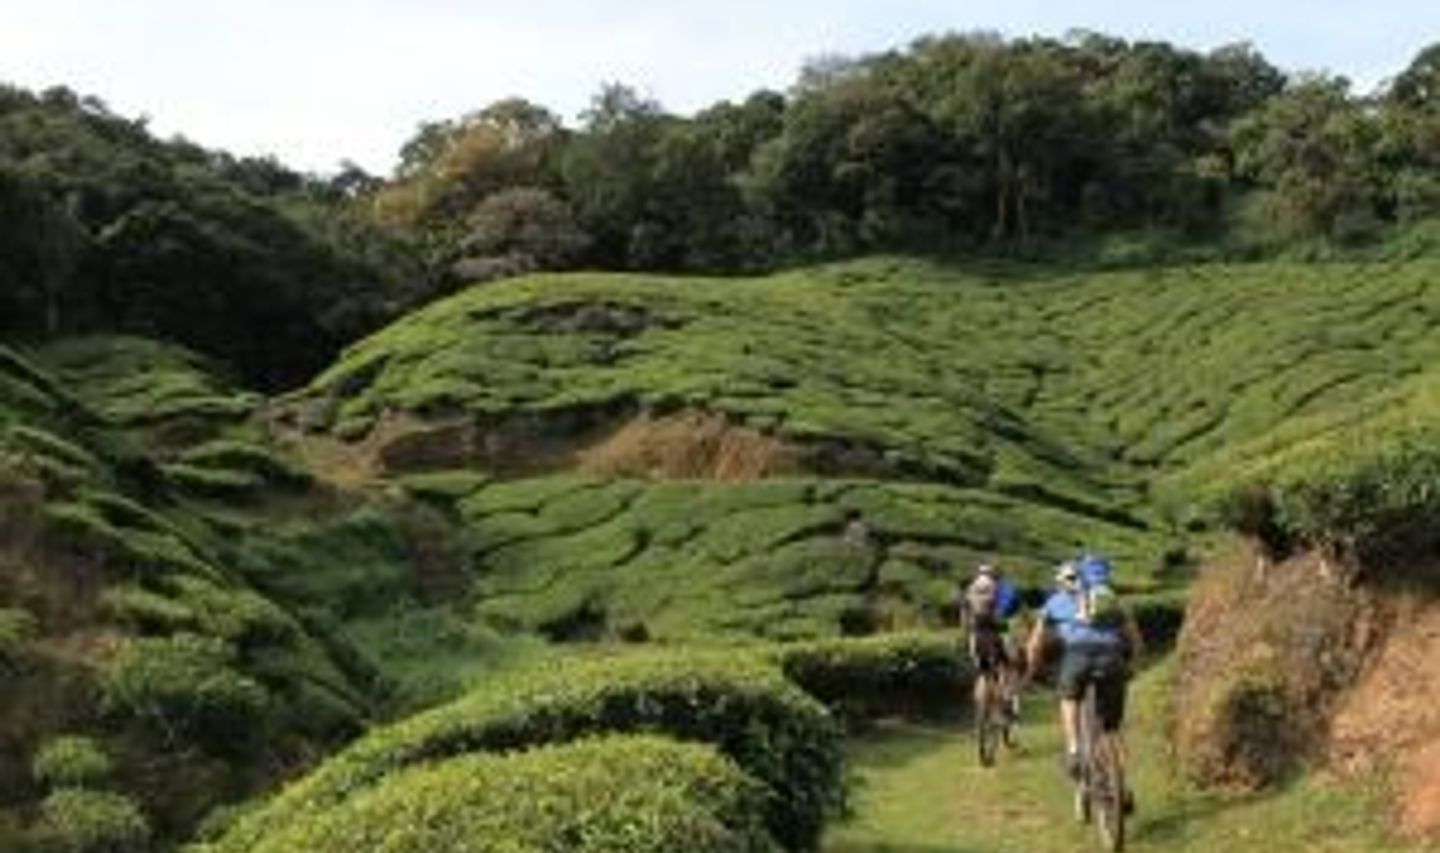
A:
[1011,410]
[515,476]
[1014,378]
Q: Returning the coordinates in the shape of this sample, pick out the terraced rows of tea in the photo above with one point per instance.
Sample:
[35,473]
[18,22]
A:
[1006,410]
[565,555]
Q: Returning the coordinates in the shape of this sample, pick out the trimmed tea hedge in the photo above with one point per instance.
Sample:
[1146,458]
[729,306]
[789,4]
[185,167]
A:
[864,678]
[745,708]
[616,794]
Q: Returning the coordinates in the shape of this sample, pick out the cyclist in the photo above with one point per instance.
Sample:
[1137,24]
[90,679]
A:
[1098,638]
[987,606]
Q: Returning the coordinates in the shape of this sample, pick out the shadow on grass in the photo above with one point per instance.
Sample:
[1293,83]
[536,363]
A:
[896,743]
[864,847]
[1172,825]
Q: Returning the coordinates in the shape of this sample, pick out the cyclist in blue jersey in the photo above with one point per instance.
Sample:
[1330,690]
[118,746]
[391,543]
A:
[1098,638]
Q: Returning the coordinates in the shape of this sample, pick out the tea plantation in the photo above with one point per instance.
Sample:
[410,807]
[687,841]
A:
[554,532]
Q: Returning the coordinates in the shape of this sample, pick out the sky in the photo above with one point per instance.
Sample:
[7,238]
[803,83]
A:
[315,82]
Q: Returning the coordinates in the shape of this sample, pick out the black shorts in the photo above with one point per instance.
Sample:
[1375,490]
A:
[987,646]
[1105,667]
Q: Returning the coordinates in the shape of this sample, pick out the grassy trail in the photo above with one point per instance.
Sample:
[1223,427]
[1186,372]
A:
[920,790]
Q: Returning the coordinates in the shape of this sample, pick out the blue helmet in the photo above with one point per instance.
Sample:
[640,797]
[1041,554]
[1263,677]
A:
[1094,571]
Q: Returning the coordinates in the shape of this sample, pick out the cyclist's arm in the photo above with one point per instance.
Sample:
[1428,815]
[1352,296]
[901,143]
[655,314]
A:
[1033,646]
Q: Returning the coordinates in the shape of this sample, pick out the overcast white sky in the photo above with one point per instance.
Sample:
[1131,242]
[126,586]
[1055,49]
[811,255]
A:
[317,81]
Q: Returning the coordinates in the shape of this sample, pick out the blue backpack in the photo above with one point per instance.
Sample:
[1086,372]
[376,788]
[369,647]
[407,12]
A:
[1007,599]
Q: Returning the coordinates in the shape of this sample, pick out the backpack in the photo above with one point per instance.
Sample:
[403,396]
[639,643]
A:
[1100,607]
[981,597]
[1007,600]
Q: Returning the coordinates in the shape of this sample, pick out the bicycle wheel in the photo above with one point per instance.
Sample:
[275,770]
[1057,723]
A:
[1085,745]
[987,721]
[1107,786]
[1009,711]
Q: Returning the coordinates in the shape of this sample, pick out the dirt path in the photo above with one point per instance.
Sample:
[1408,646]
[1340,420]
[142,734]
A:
[921,791]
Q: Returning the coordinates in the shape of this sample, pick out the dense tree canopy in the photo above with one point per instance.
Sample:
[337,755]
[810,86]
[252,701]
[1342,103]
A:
[967,141]
[105,228]
[954,143]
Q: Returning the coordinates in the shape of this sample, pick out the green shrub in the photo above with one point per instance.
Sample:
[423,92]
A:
[443,486]
[864,678]
[77,821]
[1159,618]
[358,564]
[618,794]
[144,610]
[239,456]
[71,761]
[198,605]
[29,440]
[186,684]
[13,365]
[1241,732]
[748,710]
[1371,495]
[17,627]
[90,527]
[213,482]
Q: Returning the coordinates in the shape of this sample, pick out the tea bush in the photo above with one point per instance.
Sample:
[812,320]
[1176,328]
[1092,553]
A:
[80,821]
[749,711]
[17,627]
[865,678]
[616,794]
[71,761]
[186,683]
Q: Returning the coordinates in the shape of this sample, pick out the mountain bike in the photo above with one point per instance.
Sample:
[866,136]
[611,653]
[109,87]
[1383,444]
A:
[995,716]
[1100,788]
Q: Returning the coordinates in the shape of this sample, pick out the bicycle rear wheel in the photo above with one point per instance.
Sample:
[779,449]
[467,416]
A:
[1085,744]
[987,720]
[1106,783]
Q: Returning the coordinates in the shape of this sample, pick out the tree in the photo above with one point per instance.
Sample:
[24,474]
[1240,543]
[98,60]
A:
[448,167]
[1314,150]
[41,245]
[608,170]
[1410,139]
[525,223]
[1418,86]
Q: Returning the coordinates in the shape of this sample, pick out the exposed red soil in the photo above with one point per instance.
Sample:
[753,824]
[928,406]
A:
[688,445]
[1265,651]
[1390,719]
[1292,664]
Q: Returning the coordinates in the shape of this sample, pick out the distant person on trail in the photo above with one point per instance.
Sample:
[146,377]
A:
[1099,640]
[988,604]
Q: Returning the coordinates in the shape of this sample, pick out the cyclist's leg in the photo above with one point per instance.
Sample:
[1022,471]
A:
[1010,676]
[984,671]
[1071,687]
